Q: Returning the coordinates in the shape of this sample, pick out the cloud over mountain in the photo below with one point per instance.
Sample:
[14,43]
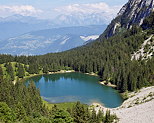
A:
[89,8]
[25,10]
[70,15]
[96,13]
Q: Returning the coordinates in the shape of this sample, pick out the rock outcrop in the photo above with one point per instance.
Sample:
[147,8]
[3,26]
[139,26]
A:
[132,13]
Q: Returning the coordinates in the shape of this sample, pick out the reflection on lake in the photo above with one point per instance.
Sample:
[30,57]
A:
[70,87]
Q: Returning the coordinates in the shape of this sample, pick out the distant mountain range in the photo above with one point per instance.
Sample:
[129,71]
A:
[50,40]
[17,24]
[81,19]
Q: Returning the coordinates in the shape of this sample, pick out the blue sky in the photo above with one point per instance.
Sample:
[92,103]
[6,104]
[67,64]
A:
[55,3]
[48,8]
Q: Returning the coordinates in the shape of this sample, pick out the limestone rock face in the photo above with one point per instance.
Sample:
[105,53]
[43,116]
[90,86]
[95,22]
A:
[133,12]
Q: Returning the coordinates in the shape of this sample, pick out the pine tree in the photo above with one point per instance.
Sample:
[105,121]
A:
[1,71]
[10,71]
[45,69]
[93,117]
[80,113]
[21,71]
[20,111]
[60,116]
[100,116]
[6,114]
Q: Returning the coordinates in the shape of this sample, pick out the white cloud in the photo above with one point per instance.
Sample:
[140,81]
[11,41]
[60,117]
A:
[25,10]
[96,13]
[75,14]
[89,8]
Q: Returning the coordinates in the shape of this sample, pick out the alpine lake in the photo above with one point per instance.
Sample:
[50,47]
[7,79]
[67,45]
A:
[72,87]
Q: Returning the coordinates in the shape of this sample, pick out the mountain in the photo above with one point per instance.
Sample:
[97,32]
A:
[82,19]
[50,40]
[132,13]
[17,24]
[21,18]
[124,59]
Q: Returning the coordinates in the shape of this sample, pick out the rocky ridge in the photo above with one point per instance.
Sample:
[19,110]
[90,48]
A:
[132,13]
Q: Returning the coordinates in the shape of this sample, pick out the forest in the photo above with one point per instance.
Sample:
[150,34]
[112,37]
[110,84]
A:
[109,58]
[19,103]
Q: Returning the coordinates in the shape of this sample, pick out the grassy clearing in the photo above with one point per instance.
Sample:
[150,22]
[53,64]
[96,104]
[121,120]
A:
[63,106]
[16,78]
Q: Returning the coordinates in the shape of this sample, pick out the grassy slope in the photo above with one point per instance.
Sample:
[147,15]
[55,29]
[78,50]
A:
[64,106]
[15,73]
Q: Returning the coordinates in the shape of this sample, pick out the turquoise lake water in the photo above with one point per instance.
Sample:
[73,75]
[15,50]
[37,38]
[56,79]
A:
[71,87]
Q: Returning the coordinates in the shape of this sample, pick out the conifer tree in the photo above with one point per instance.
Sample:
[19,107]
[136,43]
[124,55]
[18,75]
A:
[1,72]
[21,71]
[10,70]
[6,114]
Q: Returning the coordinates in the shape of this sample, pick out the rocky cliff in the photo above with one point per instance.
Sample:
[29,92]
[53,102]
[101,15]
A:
[132,13]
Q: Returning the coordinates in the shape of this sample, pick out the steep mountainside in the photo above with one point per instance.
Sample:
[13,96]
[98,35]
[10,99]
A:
[132,13]
[115,59]
[146,51]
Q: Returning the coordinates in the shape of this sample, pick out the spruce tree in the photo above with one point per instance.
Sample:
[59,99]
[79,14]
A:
[21,71]
[1,72]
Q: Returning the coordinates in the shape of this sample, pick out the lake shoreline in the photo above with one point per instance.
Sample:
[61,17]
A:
[88,79]
[33,75]
[92,74]
[107,84]
[67,71]
[137,108]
